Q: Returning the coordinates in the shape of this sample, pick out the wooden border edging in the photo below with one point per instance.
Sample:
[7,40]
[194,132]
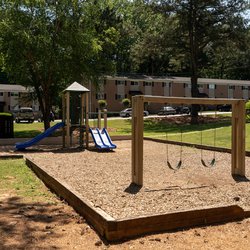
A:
[198,146]
[97,217]
[172,221]
[120,229]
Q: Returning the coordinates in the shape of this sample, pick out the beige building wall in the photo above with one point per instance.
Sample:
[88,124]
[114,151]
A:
[116,92]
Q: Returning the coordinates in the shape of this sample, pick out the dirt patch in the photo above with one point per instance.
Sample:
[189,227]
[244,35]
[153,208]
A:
[31,225]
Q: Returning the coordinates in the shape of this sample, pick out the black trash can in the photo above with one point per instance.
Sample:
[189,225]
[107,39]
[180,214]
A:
[6,125]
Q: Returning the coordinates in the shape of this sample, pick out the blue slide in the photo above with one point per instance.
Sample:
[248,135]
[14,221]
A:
[102,139]
[49,131]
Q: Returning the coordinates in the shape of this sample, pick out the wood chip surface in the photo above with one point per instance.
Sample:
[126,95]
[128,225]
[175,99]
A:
[104,178]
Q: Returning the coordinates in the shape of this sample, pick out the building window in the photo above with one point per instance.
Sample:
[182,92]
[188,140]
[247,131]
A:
[100,96]
[119,97]
[1,93]
[121,82]
[231,87]
[245,87]
[187,85]
[211,86]
[165,84]
[14,94]
[148,84]
[134,83]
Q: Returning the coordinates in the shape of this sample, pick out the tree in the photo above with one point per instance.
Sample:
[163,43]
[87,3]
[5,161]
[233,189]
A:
[143,36]
[201,24]
[49,44]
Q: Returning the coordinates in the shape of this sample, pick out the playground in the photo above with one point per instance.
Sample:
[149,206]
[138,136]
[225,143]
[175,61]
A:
[104,180]
[138,182]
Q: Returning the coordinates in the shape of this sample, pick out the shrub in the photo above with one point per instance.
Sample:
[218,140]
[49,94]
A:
[126,103]
[247,106]
[102,104]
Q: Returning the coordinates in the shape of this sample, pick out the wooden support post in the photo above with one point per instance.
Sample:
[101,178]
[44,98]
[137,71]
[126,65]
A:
[105,118]
[238,138]
[68,119]
[81,139]
[63,119]
[137,140]
[87,118]
[99,118]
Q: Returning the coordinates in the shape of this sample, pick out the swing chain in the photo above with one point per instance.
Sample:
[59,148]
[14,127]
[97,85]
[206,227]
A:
[178,166]
[213,161]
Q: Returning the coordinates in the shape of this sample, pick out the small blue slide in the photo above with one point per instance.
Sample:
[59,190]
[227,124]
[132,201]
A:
[102,139]
[49,131]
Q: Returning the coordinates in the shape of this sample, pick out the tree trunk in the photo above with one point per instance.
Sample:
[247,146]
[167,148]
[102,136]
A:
[194,60]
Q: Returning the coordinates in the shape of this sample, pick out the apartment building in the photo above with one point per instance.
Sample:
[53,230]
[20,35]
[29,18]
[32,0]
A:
[115,88]
[12,97]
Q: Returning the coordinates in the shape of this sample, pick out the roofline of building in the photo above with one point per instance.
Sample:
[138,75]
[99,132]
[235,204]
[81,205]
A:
[187,80]
[13,88]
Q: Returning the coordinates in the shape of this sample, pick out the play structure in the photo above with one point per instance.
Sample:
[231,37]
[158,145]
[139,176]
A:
[76,116]
[238,131]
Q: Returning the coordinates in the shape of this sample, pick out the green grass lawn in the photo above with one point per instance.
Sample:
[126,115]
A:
[16,177]
[190,133]
[29,130]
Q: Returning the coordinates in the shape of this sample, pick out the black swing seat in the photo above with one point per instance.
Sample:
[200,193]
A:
[177,167]
[210,164]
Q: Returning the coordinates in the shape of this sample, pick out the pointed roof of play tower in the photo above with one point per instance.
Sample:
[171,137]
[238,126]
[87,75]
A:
[75,86]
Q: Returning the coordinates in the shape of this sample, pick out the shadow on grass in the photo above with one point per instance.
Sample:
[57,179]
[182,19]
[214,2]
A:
[26,133]
[33,133]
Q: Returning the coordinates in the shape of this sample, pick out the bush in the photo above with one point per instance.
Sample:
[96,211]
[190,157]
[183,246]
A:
[247,106]
[126,103]
[102,104]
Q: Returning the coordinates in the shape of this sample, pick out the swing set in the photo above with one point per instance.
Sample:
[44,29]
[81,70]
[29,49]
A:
[238,133]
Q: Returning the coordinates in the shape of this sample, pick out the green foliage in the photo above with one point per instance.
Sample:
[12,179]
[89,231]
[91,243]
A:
[102,104]
[47,45]
[16,176]
[126,102]
[5,114]
[247,106]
